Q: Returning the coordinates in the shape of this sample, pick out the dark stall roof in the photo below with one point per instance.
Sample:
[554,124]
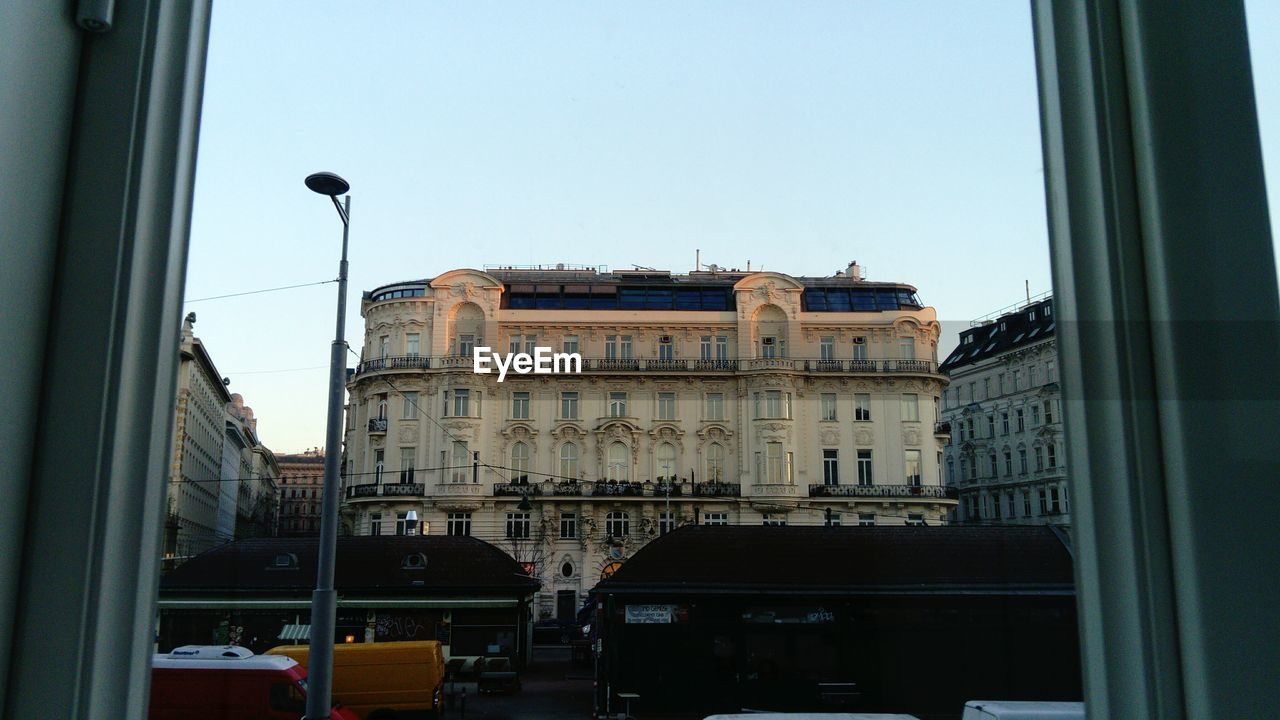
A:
[454,565]
[853,560]
[1009,332]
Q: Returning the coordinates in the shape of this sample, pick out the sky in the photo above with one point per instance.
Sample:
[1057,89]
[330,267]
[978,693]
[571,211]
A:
[795,135]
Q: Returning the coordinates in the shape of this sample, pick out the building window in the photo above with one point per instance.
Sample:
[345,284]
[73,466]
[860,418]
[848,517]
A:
[617,524]
[1008,462]
[466,344]
[862,406]
[530,342]
[995,466]
[382,407]
[666,522]
[375,523]
[569,406]
[384,347]
[715,406]
[666,406]
[772,404]
[569,344]
[520,463]
[461,402]
[406,464]
[827,348]
[1048,412]
[1004,422]
[1035,415]
[991,425]
[722,348]
[830,466]
[1053,455]
[411,343]
[379,463]
[410,406]
[912,469]
[907,348]
[665,349]
[774,520]
[458,523]
[715,518]
[972,505]
[1022,460]
[513,345]
[519,406]
[1021,425]
[403,526]
[915,519]
[619,463]
[518,525]
[860,348]
[866,519]
[666,460]
[715,463]
[768,346]
[777,464]
[864,467]
[828,406]
[986,388]
[617,404]
[704,348]
[996,509]
[951,472]
[910,407]
[568,525]
[831,519]
[460,462]
[569,461]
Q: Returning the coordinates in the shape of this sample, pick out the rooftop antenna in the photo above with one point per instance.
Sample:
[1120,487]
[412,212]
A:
[1028,285]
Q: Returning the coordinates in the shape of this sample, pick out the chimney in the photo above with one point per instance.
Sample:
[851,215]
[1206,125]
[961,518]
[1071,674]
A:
[853,271]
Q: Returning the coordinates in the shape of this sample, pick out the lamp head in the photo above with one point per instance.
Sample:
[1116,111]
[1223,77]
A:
[327,183]
[524,505]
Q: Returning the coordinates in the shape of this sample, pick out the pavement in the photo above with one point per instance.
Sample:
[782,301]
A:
[552,688]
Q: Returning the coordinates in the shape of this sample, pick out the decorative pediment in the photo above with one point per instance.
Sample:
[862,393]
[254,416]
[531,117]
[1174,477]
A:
[568,431]
[715,431]
[666,431]
[519,431]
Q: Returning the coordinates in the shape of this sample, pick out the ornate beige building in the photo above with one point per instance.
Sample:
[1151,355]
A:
[712,397]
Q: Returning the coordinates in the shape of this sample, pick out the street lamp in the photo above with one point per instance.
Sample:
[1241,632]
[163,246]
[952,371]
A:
[324,599]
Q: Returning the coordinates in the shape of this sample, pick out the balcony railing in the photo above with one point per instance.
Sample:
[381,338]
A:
[942,428]
[676,365]
[717,489]
[378,425]
[930,491]
[369,490]
[614,489]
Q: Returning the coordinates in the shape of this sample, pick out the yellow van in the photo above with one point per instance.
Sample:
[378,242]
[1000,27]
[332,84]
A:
[385,680]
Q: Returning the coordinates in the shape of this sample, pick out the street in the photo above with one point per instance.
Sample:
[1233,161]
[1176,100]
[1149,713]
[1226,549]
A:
[551,688]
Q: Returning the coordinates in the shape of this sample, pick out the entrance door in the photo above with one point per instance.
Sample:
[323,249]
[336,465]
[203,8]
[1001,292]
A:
[566,605]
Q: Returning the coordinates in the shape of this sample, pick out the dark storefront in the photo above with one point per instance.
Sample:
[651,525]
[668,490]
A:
[467,594]
[897,619]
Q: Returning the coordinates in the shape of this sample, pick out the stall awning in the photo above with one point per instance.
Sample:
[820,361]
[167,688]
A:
[295,632]
[303,604]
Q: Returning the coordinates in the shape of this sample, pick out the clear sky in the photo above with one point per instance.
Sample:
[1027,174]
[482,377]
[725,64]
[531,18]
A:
[796,135]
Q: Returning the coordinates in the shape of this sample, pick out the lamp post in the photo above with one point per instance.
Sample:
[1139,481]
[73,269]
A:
[324,598]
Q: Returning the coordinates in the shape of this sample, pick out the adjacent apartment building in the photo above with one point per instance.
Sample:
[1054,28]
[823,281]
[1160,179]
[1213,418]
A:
[301,490]
[1006,456]
[721,397]
[222,480]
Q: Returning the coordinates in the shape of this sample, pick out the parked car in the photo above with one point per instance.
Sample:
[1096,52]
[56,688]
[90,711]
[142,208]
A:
[227,682]
[1022,710]
[381,681]
[553,631]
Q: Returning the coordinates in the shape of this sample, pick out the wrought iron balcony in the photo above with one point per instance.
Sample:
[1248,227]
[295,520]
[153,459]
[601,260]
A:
[378,425]
[369,490]
[942,428]
[902,491]
[717,489]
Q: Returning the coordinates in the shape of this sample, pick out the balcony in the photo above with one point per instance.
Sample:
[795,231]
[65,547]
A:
[372,490]
[775,489]
[459,489]
[895,491]
[674,365]
[378,425]
[942,429]
[717,489]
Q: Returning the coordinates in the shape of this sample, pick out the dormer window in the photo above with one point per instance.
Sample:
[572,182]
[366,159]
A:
[1031,316]
[414,561]
[285,561]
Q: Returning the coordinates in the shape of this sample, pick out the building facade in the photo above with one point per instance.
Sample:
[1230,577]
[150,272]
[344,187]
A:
[714,397]
[1006,455]
[221,479]
[301,491]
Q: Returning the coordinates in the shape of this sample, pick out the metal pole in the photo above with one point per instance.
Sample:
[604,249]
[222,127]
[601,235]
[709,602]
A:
[324,600]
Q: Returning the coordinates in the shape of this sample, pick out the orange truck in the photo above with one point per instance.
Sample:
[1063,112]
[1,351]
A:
[385,680]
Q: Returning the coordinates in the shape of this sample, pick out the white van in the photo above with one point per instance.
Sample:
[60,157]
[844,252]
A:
[1022,710]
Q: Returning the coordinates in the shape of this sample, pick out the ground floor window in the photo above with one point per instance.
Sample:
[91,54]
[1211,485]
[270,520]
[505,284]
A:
[459,524]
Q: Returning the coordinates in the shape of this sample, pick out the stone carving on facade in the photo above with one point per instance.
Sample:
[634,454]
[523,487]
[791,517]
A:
[830,436]
[911,436]
[863,436]
[408,431]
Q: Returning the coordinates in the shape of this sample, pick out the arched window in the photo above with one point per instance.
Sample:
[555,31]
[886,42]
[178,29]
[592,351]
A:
[619,463]
[715,462]
[569,461]
[666,455]
[617,524]
[520,463]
